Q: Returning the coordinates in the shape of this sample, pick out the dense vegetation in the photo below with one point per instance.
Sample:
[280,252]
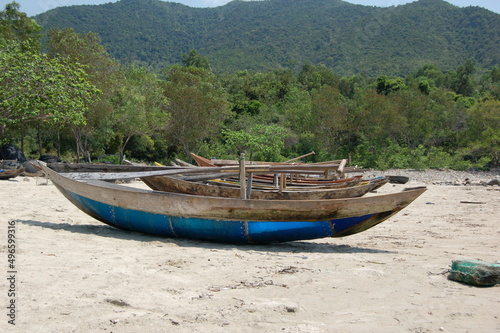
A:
[76,101]
[266,35]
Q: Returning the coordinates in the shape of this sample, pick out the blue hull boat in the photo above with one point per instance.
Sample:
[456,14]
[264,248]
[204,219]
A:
[228,220]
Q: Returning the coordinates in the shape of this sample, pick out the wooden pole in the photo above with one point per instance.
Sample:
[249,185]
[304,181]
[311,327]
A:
[249,186]
[243,183]
[275,180]
[300,157]
[340,170]
[282,182]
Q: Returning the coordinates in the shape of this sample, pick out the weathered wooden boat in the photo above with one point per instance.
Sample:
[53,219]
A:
[227,219]
[196,185]
[329,171]
[10,169]
[290,180]
[174,184]
[333,169]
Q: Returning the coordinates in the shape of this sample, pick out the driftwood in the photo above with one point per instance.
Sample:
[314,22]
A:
[473,202]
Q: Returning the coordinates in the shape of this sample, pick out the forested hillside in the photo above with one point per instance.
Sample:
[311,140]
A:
[73,99]
[265,35]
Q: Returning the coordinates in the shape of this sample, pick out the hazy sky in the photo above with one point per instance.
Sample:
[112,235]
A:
[33,7]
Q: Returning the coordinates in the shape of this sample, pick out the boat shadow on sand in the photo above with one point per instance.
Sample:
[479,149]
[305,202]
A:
[286,247]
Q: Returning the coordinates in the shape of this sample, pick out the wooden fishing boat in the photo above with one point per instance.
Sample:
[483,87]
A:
[336,169]
[199,185]
[215,189]
[331,171]
[226,219]
[291,179]
[10,169]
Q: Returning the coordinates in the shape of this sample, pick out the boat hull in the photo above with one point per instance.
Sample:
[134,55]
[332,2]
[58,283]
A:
[226,231]
[228,220]
[10,169]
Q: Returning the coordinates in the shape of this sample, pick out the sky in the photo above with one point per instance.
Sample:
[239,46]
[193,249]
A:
[33,7]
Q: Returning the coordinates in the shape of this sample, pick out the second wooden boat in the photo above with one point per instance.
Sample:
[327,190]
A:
[174,184]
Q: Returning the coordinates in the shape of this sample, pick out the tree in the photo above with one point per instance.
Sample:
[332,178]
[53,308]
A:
[18,34]
[313,77]
[432,74]
[349,86]
[194,59]
[198,107]
[483,132]
[490,84]
[262,142]
[296,109]
[386,85]
[139,107]
[416,119]
[18,29]
[103,71]
[35,87]
[464,84]
[331,121]
[447,119]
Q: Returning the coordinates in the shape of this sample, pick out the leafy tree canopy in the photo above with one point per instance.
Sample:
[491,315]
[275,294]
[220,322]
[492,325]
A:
[34,86]
[16,28]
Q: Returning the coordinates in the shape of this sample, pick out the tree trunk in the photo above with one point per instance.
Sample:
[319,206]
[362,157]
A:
[122,149]
[76,134]
[22,137]
[85,148]
[39,140]
[58,143]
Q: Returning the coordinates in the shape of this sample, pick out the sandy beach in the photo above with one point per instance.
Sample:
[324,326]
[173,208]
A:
[75,274]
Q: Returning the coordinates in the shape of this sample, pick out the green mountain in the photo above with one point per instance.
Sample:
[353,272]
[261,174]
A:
[263,35]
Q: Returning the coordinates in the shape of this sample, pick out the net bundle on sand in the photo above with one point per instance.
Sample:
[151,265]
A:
[475,272]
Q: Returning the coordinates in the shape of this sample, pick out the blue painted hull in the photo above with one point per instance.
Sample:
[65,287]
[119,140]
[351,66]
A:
[227,231]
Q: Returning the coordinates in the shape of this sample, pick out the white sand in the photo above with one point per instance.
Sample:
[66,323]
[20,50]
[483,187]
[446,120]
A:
[75,274]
